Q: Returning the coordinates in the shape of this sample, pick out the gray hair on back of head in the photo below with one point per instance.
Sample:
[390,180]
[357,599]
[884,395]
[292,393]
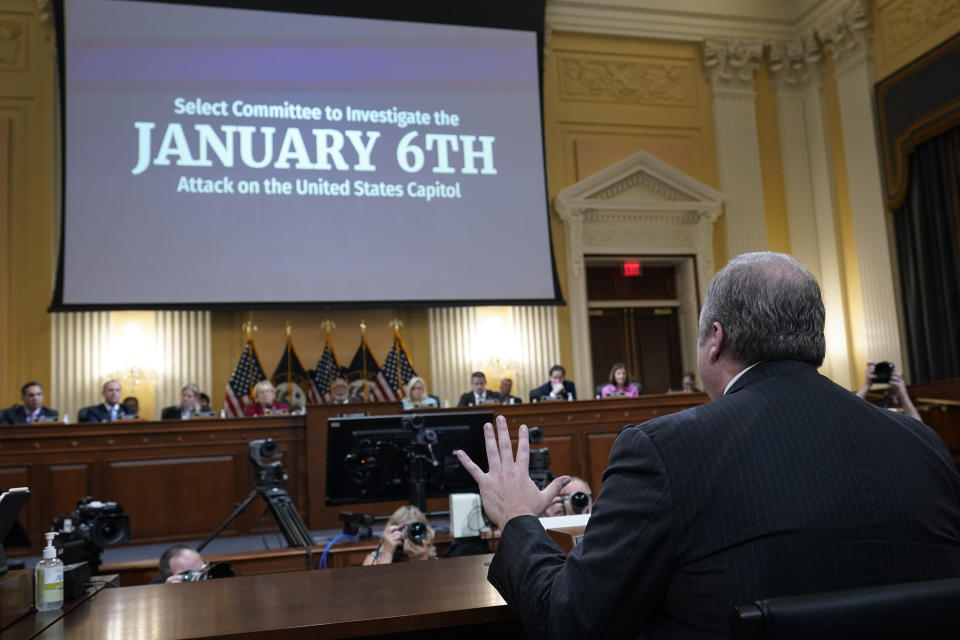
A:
[770,308]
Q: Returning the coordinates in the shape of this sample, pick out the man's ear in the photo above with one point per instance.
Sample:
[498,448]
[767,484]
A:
[717,342]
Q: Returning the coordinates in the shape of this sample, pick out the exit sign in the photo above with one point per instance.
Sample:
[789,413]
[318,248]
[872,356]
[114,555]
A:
[631,268]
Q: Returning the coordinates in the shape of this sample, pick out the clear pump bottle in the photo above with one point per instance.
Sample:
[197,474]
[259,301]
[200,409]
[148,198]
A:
[48,577]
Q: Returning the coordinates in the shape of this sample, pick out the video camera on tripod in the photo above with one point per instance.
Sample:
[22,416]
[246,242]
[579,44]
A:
[268,481]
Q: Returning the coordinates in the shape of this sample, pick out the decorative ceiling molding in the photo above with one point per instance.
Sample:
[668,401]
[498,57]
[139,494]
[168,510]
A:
[781,20]
[844,32]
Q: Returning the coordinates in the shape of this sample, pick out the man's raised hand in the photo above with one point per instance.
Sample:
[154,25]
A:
[506,490]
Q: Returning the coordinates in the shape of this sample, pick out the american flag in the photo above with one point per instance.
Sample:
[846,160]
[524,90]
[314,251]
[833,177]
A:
[327,370]
[364,365]
[247,373]
[397,369]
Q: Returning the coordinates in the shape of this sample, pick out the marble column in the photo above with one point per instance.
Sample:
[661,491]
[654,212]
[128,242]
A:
[846,37]
[811,210]
[731,65]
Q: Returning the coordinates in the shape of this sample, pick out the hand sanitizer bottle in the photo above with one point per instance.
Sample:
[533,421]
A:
[48,577]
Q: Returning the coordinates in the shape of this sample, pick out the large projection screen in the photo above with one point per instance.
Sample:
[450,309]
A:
[222,157]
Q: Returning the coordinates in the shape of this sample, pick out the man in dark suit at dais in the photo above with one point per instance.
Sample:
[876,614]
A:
[784,483]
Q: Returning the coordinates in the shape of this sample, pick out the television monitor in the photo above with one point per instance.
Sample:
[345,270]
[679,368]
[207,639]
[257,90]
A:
[375,458]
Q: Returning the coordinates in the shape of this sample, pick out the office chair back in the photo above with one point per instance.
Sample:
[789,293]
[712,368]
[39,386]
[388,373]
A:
[907,610]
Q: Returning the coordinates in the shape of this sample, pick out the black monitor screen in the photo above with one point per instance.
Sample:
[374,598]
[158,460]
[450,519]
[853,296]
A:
[370,459]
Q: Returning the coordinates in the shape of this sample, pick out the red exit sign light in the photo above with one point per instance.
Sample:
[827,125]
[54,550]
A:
[629,269]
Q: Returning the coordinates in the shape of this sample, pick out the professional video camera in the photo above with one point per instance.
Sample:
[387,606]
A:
[85,532]
[539,460]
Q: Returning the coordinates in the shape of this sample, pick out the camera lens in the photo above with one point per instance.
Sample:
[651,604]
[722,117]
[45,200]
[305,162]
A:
[579,502]
[415,531]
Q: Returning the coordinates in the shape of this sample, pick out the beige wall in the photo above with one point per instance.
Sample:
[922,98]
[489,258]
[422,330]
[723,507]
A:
[26,195]
[604,98]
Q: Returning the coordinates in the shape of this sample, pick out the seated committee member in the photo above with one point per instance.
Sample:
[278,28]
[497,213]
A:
[401,540]
[415,395]
[340,393]
[783,483]
[480,394]
[620,383]
[131,407]
[110,409]
[264,401]
[204,401]
[688,384]
[556,388]
[178,560]
[897,384]
[188,406]
[506,388]
[32,409]
[576,497]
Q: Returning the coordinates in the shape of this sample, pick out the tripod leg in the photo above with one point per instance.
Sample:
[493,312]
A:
[291,524]
[240,507]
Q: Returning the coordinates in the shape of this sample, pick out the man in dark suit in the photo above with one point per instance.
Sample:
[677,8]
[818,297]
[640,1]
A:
[784,483]
[32,409]
[480,393]
[506,391]
[556,388]
[110,410]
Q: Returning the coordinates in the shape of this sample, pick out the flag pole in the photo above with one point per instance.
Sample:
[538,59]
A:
[397,324]
[363,354]
[289,363]
[329,325]
[248,328]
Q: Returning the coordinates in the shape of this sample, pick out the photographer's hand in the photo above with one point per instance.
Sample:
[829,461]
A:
[900,388]
[392,539]
[862,391]
[507,490]
[415,550]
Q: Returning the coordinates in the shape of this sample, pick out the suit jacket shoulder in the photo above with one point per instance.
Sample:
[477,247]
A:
[170,413]
[93,413]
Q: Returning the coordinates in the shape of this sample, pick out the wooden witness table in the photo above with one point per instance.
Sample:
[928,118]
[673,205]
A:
[434,599]
[179,480]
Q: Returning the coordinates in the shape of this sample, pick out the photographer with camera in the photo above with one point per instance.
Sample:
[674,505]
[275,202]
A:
[887,373]
[576,497]
[177,562]
[407,534]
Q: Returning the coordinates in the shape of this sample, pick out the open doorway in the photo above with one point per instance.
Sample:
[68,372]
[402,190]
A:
[642,312]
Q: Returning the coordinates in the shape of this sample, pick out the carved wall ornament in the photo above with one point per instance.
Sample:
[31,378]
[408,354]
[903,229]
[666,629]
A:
[625,82]
[845,34]
[45,10]
[731,63]
[792,62]
[12,45]
[911,20]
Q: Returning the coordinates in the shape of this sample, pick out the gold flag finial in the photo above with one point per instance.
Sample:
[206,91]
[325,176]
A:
[328,325]
[248,328]
[363,326]
[396,324]
[289,329]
